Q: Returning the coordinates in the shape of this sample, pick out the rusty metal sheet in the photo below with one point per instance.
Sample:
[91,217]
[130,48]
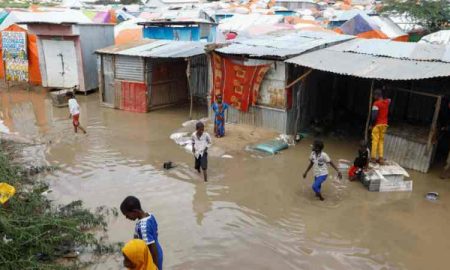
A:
[407,153]
[371,67]
[282,45]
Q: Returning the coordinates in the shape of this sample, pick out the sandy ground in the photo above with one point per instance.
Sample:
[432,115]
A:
[238,138]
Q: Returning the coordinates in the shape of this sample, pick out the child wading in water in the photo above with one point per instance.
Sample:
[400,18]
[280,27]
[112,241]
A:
[74,110]
[320,161]
[146,229]
[200,143]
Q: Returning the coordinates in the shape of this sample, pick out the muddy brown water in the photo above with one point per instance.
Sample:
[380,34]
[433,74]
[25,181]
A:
[255,213]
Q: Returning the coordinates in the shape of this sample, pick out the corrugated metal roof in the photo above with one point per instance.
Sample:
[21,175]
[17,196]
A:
[395,49]
[157,49]
[339,59]
[282,46]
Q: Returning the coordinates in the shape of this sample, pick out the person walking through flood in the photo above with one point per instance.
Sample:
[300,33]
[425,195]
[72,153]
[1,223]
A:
[146,227]
[136,256]
[319,160]
[74,110]
[379,120]
[201,141]
[219,108]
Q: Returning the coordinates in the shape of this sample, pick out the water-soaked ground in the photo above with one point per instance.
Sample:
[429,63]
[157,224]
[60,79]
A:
[255,213]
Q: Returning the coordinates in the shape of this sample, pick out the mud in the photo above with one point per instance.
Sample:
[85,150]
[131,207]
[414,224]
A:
[255,213]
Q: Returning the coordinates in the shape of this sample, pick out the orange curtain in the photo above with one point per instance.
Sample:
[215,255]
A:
[238,84]
[34,73]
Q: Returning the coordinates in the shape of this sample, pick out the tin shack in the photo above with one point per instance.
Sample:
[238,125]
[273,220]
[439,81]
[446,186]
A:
[336,97]
[258,66]
[193,30]
[67,52]
[150,74]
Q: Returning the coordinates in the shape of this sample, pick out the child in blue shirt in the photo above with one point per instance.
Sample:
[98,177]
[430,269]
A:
[146,227]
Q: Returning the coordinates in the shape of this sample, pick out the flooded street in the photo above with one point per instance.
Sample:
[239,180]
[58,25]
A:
[255,213]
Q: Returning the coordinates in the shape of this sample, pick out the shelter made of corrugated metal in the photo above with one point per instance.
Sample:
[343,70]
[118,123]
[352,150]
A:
[159,67]
[380,59]
[282,45]
[157,49]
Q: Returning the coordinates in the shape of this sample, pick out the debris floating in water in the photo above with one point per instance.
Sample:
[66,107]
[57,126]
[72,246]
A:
[432,196]
[226,156]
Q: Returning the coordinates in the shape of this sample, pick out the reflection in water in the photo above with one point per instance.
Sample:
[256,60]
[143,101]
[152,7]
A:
[256,213]
[201,203]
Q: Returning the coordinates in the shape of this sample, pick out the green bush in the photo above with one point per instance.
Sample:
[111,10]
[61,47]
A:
[34,234]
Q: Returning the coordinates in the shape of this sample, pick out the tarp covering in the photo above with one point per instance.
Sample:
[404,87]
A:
[128,31]
[105,17]
[3,15]
[34,72]
[362,26]
[439,38]
[66,16]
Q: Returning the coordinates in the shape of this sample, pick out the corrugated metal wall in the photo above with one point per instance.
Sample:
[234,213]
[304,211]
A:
[259,117]
[129,68]
[92,38]
[409,154]
[108,91]
[199,83]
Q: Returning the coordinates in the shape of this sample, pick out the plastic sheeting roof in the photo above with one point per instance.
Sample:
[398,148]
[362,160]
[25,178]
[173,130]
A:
[440,38]
[157,49]
[389,61]
[282,46]
[67,16]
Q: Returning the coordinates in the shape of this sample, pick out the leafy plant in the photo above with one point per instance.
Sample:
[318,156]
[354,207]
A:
[34,233]
[433,15]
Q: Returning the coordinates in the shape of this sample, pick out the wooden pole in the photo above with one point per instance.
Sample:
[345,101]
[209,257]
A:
[366,132]
[188,76]
[299,78]
[434,123]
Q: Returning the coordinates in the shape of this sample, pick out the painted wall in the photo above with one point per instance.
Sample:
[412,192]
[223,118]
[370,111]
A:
[173,33]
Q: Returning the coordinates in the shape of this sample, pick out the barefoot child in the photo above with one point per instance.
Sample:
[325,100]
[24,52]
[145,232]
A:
[320,161]
[74,110]
[200,143]
[146,227]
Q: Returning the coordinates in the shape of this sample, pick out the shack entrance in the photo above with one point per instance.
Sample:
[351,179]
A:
[339,106]
[168,83]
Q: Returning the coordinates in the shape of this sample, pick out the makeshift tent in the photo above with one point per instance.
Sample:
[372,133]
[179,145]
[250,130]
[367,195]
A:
[364,26]
[89,13]
[72,4]
[66,16]
[439,38]
[3,15]
[105,17]
[128,31]
[34,74]
[361,26]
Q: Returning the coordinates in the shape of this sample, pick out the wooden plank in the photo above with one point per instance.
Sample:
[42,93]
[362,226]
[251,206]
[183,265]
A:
[414,92]
[434,122]
[366,132]
[299,79]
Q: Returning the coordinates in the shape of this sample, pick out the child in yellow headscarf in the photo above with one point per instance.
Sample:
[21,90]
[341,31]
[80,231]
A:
[137,256]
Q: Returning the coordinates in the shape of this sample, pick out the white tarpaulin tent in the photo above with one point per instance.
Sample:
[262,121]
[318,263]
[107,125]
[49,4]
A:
[439,38]
[66,16]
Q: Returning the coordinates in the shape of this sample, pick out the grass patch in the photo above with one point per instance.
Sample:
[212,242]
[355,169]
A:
[35,234]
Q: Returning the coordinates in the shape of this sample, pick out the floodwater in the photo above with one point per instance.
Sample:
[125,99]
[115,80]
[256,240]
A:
[255,213]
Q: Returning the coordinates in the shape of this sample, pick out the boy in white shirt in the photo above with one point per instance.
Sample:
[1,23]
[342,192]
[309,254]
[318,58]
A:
[320,161]
[74,110]
[200,143]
